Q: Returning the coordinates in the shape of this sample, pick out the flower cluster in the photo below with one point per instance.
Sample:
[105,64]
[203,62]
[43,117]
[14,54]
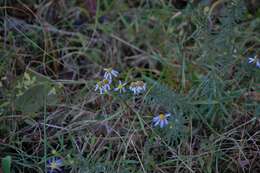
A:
[161,119]
[254,60]
[136,87]
[105,85]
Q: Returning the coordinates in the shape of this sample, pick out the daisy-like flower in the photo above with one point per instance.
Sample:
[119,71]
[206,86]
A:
[161,119]
[120,87]
[103,86]
[137,87]
[109,73]
[254,60]
[54,165]
[99,87]
[106,84]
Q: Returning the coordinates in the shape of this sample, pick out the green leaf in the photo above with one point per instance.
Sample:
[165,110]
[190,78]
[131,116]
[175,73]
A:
[6,164]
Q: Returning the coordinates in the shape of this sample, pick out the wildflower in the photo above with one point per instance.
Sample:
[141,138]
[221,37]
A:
[99,87]
[137,87]
[106,84]
[103,86]
[109,73]
[54,164]
[255,60]
[161,119]
[120,87]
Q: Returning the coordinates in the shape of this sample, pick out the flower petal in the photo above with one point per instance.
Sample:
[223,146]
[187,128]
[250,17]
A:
[114,73]
[251,60]
[258,64]
[166,122]
[144,87]
[96,88]
[167,114]
[106,75]
[157,122]
[161,124]
[155,119]
[59,162]
[51,171]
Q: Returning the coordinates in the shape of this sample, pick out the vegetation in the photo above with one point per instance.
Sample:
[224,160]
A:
[190,60]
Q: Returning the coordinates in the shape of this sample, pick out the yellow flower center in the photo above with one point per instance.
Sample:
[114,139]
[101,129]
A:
[161,116]
[105,81]
[53,165]
[137,84]
[54,152]
[120,86]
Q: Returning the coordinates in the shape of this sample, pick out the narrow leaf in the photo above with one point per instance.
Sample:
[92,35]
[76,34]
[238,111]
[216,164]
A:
[6,164]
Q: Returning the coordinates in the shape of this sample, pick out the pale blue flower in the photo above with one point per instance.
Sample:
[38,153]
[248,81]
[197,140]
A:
[110,73]
[99,87]
[254,60]
[103,86]
[120,87]
[54,165]
[161,119]
[137,87]
[106,84]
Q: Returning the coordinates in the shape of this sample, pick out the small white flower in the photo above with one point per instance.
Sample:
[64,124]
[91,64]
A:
[109,73]
[137,87]
[161,119]
[120,87]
